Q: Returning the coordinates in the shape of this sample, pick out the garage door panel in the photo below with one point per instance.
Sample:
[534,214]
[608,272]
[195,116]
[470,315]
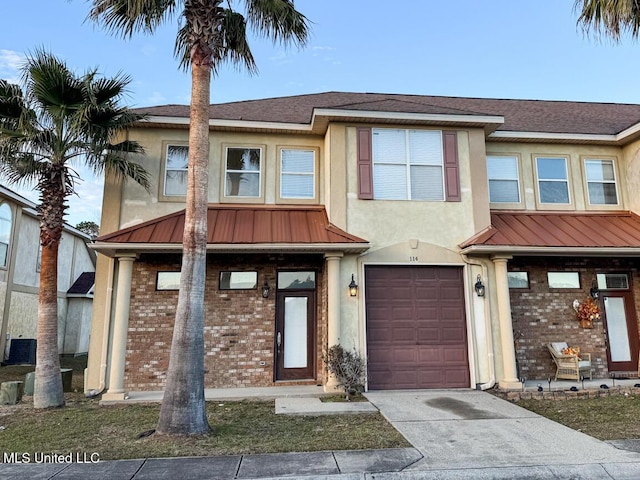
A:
[416,327]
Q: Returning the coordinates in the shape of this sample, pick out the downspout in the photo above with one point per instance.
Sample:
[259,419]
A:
[488,331]
[105,335]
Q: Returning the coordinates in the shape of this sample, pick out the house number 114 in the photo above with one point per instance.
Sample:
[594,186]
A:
[413,259]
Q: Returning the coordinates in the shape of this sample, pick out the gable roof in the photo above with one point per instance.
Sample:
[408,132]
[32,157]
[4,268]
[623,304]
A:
[240,228]
[503,119]
[558,232]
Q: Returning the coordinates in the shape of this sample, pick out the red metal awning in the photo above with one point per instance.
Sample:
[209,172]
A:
[240,227]
[558,232]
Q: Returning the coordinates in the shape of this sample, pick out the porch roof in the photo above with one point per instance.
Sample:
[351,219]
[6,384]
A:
[283,228]
[558,233]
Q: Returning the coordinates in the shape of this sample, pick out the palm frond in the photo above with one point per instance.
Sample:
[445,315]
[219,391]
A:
[236,47]
[117,164]
[129,16]
[278,20]
[610,18]
[21,168]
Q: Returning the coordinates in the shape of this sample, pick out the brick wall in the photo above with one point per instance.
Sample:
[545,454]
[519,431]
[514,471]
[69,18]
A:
[239,324]
[542,315]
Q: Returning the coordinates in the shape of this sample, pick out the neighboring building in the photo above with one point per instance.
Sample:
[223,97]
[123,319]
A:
[419,200]
[20,278]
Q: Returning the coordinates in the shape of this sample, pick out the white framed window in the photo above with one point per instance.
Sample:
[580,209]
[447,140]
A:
[242,172]
[297,173]
[553,180]
[407,164]
[563,279]
[175,170]
[168,281]
[5,233]
[518,279]
[504,179]
[601,182]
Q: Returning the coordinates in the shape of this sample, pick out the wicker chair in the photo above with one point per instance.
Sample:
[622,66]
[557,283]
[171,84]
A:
[570,367]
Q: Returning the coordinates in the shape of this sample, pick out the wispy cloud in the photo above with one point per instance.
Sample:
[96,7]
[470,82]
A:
[10,63]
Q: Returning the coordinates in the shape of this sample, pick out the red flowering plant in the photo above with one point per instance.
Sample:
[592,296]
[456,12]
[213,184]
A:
[587,312]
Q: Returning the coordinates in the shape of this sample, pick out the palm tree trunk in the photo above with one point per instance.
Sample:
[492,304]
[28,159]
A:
[183,410]
[48,382]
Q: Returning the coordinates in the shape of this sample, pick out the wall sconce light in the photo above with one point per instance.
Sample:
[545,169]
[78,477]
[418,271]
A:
[594,292]
[479,287]
[265,289]
[353,287]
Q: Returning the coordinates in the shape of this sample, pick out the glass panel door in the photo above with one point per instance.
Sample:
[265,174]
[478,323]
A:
[295,332]
[620,350]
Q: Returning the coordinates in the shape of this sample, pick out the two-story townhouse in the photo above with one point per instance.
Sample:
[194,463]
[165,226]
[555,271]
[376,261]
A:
[20,255]
[459,221]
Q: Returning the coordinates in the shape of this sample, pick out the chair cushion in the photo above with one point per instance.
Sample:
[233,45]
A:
[558,346]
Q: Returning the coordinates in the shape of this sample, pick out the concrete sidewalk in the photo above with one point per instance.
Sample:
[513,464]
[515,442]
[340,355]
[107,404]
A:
[456,434]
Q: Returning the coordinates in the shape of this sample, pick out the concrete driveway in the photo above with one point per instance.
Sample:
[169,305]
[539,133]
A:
[472,429]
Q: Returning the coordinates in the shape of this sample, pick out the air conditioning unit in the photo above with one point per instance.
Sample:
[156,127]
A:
[22,352]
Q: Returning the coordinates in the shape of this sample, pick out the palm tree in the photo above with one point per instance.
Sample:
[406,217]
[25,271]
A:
[58,121]
[212,32]
[612,18]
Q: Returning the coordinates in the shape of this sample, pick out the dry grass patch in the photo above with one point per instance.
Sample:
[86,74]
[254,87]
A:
[605,418]
[239,428]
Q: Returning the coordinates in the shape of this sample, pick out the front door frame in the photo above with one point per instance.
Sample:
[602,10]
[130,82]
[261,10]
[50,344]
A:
[632,329]
[306,373]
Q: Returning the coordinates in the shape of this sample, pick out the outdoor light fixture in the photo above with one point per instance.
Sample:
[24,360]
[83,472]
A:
[265,289]
[479,287]
[594,292]
[353,287]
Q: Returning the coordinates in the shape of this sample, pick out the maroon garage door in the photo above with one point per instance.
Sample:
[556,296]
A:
[416,327]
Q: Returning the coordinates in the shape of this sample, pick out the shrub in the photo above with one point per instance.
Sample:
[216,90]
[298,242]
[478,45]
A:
[348,367]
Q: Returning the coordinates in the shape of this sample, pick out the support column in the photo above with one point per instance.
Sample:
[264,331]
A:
[333,308]
[510,380]
[120,328]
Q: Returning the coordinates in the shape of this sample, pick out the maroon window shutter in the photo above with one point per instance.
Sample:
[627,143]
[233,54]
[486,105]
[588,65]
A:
[365,171]
[451,168]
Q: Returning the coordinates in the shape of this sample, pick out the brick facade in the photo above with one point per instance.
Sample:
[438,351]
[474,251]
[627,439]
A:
[239,324]
[542,315]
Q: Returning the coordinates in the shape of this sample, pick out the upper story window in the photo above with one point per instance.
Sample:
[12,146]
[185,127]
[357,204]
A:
[504,183]
[5,233]
[553,180]
[297,174]
[601,182]
[175,172]
[407,164]
[242,172]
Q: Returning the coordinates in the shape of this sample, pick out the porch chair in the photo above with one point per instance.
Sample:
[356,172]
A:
[570,367]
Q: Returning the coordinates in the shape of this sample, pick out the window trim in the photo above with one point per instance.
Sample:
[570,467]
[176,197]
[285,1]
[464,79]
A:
[601,206]
[567,164]
[163,171]
[10,239]
[158,289]
[526,273]
[507,205]
[408,165]
[223,173]
[576,273]
[231,289]
[316,180]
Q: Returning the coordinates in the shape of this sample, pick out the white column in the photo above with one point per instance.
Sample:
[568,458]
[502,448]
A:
[510,380]
[333,308]
[120,328]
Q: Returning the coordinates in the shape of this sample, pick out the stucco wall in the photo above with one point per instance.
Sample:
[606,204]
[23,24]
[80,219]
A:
[526,153]
[138,205]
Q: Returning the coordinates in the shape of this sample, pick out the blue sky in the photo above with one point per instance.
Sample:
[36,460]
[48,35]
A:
[492,48]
